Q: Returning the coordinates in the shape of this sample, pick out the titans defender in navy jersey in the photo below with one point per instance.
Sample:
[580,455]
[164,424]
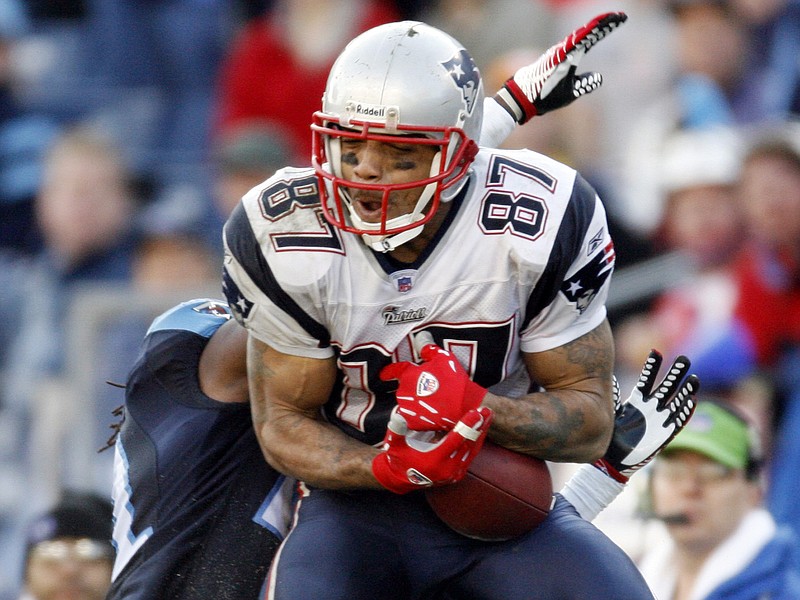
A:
[198,513]
[404,227]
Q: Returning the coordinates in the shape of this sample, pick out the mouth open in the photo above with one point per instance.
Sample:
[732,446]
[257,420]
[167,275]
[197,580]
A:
[368,209]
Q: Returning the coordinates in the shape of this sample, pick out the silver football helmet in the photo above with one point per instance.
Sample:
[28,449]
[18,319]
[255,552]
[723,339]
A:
[398,79]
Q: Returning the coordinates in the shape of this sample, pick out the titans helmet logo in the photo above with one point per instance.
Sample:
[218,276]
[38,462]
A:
[465,75]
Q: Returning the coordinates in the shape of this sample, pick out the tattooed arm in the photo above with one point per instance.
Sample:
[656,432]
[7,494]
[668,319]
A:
[572,420]
[286,394]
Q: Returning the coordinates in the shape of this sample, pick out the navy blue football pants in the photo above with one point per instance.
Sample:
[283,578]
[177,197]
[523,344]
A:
[382,546]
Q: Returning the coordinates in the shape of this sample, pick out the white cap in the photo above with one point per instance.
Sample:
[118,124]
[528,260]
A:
[693,158]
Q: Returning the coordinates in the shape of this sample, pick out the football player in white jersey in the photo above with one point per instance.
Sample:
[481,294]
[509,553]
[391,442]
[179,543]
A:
[406,227]
[187,552]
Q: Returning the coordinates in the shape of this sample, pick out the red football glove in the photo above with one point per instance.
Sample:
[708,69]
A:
[436,393]
[551,82]
[406,465]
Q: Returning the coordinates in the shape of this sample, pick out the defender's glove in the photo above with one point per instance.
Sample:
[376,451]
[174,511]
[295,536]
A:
[551,82]
[436,393]
[405,466]
[648,420]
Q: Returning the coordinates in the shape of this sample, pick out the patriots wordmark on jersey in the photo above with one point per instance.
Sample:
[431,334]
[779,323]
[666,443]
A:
[521,264]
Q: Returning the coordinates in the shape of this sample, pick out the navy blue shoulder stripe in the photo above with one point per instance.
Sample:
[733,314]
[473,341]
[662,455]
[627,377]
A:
[245,249]
[567,246]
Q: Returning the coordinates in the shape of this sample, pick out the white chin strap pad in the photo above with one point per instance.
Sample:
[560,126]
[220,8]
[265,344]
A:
[387,243]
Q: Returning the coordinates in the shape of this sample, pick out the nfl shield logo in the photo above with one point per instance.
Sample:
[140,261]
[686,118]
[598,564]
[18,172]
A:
[427,384]
[404,280]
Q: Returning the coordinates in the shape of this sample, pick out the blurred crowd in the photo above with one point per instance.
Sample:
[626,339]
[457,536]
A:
[130,129]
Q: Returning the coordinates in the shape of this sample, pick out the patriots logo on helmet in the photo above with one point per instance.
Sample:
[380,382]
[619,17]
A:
[465,75]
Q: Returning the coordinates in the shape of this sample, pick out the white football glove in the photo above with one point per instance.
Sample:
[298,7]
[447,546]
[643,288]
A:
[551,82]
[649,419]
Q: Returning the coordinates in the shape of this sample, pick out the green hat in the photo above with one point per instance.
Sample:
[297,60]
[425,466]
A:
[716,433]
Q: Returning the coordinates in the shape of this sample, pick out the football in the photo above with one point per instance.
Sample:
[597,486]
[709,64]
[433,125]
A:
[504,495]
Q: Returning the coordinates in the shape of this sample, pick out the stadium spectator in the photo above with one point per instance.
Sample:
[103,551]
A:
[774,28]
[85,211]
[174,251]
[490,28]
[708,82]
[768,272]
[707,490]
[68,550]
[701,222]
[24,136]
[713,84]
[245,156]
[768,275]
[277,65]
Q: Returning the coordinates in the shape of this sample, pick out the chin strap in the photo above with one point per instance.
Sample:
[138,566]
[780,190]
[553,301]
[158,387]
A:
[387,243]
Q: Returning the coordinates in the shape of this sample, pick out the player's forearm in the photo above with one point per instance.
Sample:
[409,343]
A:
[562,426]
[287,393]
[573,419]
[317,453]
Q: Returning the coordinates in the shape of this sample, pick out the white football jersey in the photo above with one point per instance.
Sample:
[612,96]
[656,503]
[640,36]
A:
[521,264]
